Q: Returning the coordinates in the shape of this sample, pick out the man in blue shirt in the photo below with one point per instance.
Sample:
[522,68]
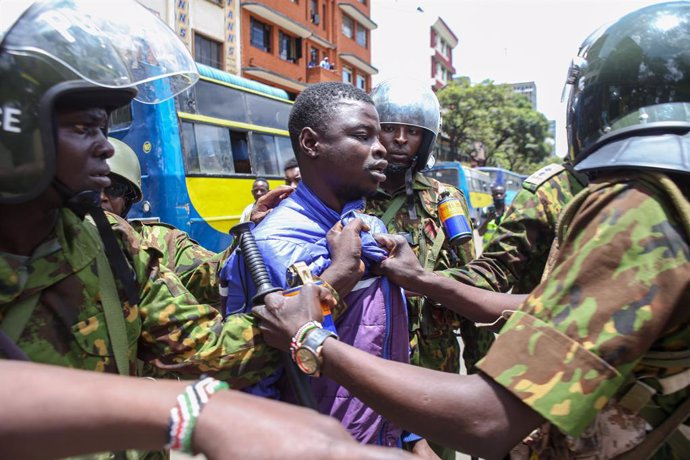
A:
[334,131]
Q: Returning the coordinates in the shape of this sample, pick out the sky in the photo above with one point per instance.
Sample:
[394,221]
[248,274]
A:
[518,41]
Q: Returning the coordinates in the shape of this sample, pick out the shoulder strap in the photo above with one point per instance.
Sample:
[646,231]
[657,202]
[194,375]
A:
[114,316]
[395,205]
[430,260]
[17,316]
[536,179]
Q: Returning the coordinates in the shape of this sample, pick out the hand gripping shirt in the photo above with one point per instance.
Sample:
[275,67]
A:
[619,289]
[517,252]
[432,335]
[375,319]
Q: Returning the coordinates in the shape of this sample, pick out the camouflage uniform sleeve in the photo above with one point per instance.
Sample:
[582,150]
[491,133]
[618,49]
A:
[194,265]
[622,272]
[181,337]
[517,253]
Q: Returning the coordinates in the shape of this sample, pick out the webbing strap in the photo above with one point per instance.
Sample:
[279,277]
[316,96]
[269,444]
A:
[396,204]
[18,315]
[430,261]
[114,316]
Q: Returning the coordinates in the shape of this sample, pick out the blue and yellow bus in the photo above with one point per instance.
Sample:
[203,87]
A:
[512,181]
[200,152]
[475,184]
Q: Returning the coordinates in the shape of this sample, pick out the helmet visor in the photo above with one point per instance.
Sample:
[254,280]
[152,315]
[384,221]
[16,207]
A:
[113,44]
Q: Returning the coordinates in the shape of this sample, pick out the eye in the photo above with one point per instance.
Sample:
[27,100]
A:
[80,128]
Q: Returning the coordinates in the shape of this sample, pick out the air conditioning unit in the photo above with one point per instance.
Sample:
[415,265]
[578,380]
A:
[315,18]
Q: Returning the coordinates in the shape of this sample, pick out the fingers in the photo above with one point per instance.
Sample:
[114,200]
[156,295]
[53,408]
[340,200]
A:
[390,242]
[357,225]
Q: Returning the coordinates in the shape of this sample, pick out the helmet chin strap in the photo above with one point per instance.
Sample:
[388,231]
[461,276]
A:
[409,192]
[89,202]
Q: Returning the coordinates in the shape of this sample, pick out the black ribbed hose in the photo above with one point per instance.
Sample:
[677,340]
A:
[255,264]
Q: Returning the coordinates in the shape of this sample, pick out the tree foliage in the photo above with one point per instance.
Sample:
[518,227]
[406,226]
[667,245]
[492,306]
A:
[492,125]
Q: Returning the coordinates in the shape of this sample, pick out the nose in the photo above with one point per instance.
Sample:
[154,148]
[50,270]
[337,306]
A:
[378,150]
[400,135]
[105,148]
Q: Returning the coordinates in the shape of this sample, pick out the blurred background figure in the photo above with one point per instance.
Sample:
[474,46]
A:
[125,178]
[495,213]
[292,175]
[260,187]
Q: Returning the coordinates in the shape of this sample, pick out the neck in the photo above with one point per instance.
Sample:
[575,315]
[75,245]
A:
[23,227]
[394,180]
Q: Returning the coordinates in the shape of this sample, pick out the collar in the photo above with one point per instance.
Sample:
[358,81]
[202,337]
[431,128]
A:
[421,182]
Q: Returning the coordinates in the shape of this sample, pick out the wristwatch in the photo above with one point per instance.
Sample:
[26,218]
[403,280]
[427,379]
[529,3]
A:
[308,355]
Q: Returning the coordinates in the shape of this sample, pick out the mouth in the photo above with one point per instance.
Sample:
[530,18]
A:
[101,179]
[379,170]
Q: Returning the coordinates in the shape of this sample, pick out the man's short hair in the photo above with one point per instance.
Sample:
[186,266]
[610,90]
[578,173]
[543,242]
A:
[260,179]
[314,107]
[291,163]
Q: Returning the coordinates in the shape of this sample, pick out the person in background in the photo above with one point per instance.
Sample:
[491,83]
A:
[599,350]
[292,175]
[494,214]
[260,187]
[325,63]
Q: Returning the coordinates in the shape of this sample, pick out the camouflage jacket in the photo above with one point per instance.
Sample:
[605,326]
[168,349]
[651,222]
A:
[618,290]
[194,265]
[433,342]
[168,330]
[517,252]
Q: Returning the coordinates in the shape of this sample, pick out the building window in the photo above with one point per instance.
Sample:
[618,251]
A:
[348,26]
[208,52]
[361,82]
[290,48]
[361,35]
[347,74]
[260,35]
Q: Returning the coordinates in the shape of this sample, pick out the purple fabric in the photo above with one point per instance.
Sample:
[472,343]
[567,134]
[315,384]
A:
[377,313]
[296,231]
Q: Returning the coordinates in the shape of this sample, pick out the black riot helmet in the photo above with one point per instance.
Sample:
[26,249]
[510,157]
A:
[409,102]
[629,101]
[75,53]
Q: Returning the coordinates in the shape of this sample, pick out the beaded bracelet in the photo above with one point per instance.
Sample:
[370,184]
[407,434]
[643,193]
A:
[184,415]
[299,336]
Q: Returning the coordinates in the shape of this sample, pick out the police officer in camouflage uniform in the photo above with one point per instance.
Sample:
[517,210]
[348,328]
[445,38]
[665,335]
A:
[601,348]
[196,266]
[516,254]
[90,293]
[407,203]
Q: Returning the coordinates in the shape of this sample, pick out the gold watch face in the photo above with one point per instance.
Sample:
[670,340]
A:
[306,360]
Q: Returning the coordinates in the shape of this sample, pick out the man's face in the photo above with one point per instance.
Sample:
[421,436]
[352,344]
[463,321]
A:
[401,142]
[259,189]
[499,194]
[82,149]
[354,159]
[114,197]
[292,177]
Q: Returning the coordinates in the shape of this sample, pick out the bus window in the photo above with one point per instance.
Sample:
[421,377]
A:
[285,152]
[190,155]
[214,150]
[217,101]
[240,152]
[265,155]
[265,111]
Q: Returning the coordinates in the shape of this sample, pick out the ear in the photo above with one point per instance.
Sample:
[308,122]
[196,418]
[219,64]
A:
[309,142]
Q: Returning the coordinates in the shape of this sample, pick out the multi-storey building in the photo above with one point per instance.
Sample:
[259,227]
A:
[284,43]
[412,43]
[527,89]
